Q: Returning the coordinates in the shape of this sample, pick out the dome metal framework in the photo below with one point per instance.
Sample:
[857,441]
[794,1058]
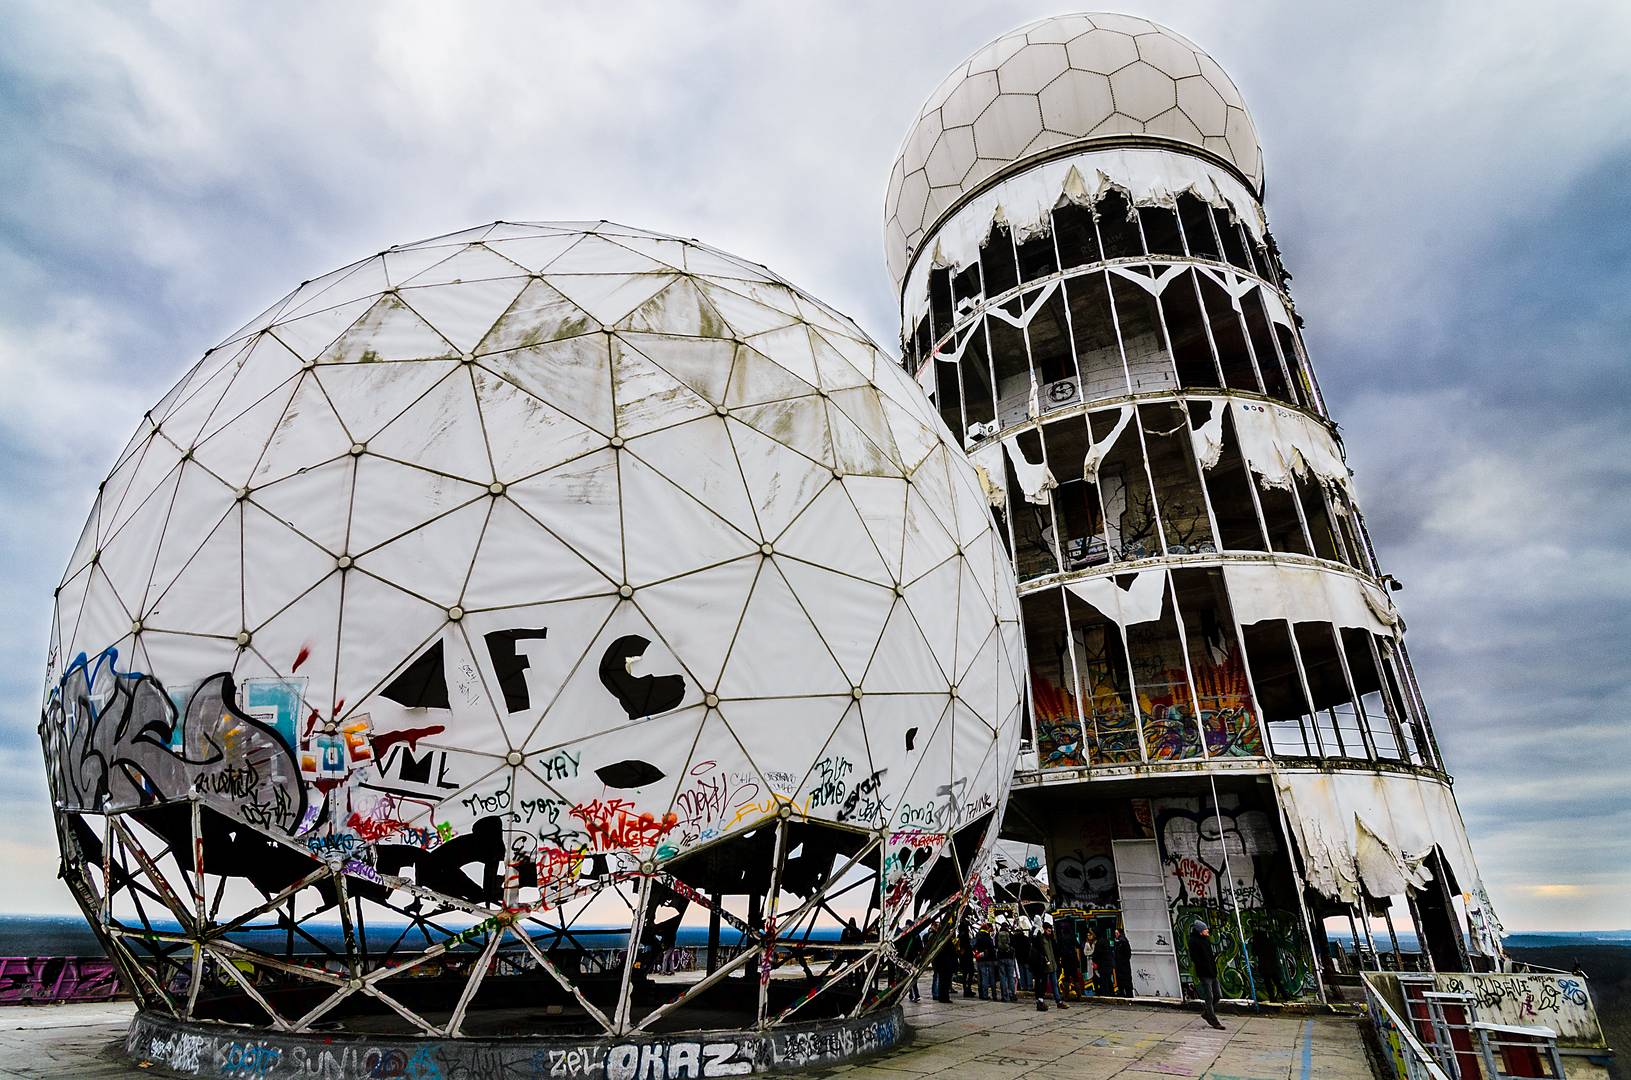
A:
[507,587]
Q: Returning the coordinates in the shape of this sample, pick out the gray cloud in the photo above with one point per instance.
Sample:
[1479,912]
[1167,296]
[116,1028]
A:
[1447,182]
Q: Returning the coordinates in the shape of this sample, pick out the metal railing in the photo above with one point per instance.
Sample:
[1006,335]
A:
[1409,1059]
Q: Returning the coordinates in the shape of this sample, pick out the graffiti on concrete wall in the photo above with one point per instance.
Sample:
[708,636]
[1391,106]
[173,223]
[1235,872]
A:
[1555,1000]
[1058,731]
[1210,854]
[1274,944]
[1213,855]
[1084,879]
[237,1056]
[40,980]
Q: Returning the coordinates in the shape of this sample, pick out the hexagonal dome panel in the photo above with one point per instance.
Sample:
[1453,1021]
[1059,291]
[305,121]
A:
[1092,75]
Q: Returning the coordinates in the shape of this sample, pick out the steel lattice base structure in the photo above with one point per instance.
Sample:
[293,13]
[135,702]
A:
[215,1050]
[236,993]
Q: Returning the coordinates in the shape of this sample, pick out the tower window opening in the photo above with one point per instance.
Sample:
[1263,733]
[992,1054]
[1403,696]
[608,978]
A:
[979,396]
[1076,503]
[1010,364]
[1267,353]
[1074,236]
[1036,539]
[948,393]
[1149,367]
[1118,227]
[1186,330]
[1311,495]
[1228,336]
[1302,386]
[1229,485]
[1380,724]
[1280,695]
[940,300]
[1184,520]
[1414,737]
[997,266]
[1104,690]
[1167,712]
[922,343]
[966,290]
[1335,716]
[1098,355]
[1036,257]
[1196,216]
[1131,527]
[1347,524]
[1059,736]
[1281,519]
[1217,664]
[1161,236]
[1234,244]
[1051,355]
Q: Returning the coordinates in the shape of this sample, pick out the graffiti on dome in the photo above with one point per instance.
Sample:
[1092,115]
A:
[118,740]
[382,799]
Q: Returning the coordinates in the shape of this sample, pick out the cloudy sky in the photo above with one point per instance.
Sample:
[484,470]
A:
[1448,183]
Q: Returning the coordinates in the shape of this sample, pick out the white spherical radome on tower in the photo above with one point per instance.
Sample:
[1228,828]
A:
[1064,80]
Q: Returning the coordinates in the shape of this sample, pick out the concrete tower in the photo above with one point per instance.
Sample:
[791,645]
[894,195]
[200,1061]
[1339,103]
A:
[1224,723]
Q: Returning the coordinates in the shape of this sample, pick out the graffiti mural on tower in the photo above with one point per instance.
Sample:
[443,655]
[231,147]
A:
[1213,855]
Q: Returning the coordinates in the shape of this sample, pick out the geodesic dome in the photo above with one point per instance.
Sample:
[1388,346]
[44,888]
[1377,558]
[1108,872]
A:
[521,576]
[1060,80]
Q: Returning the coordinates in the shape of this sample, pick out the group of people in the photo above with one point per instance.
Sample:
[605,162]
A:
[1005,957]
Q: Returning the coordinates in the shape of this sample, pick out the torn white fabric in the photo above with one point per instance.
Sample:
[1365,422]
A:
[1405,816]
[988,466]
[1140,602]
[1260,591]
[1208,438]
[1152,285]
[1276,441]
[1277,308]
[1236,285]
[959,347]
[1034,478]
[1098,451]
[1026,314]
[1384,871]
[1026,200]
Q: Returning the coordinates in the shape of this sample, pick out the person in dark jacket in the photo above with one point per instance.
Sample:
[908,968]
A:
[1205,964]
[1022,952]
[1045,967]
[1069,955]
[945,970]
[985,958]
[1006,961]
[1124,964]
[1104,964]
[1266,965]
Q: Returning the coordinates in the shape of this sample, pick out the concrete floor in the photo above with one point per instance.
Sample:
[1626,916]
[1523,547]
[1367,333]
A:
[978,1040]
[966,1040]
[64,1040]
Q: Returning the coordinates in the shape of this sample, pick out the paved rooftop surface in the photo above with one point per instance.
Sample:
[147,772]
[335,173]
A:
[978,1040]
[64,1040]
[968,1040]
